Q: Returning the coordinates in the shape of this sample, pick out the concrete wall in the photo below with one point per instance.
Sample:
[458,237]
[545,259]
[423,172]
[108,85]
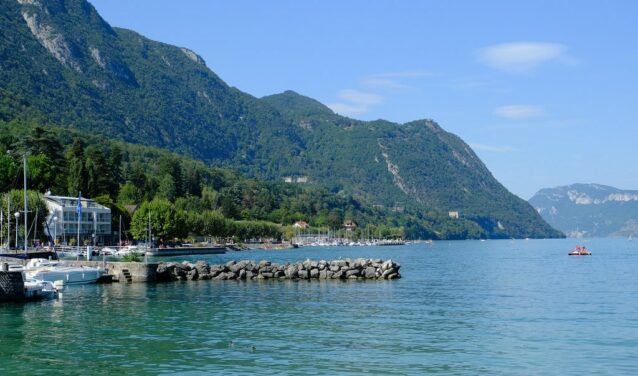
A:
[139,271]
[11,286]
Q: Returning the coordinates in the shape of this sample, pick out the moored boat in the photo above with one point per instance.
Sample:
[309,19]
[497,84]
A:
[38,289]
[45,270]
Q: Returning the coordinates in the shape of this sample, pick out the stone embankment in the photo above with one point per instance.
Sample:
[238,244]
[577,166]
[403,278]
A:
[252,270]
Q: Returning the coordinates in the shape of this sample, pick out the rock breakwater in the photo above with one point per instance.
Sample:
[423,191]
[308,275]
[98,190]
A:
[257,270]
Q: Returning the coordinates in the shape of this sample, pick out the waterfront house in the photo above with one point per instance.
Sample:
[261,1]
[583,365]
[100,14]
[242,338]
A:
[349,225]
[301,224]
[62,222]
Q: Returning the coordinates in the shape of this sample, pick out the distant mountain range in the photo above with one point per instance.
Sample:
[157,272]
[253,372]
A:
[61,62]
[589,210]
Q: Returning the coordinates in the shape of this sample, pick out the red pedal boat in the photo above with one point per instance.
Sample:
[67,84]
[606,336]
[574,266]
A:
[580,251]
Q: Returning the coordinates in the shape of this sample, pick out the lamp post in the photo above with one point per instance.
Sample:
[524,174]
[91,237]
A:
[17,215]
[94,227]
[55,230]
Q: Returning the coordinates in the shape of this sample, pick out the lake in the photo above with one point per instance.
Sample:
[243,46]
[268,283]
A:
[462,307]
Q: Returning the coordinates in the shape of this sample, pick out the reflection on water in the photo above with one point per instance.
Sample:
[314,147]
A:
[508,307]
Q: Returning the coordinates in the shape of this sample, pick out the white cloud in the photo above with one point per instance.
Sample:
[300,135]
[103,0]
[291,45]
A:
[404,74]
[393,80]
[522,57]
[384,83]
[354,102]
[492,148]
[519,111]
[360,97]
[347,108]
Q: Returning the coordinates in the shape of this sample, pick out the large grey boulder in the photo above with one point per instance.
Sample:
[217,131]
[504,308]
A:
[192,274]
[291,272]
[387,272]
[352,273]
[370,272]
[314,273]
[202,267]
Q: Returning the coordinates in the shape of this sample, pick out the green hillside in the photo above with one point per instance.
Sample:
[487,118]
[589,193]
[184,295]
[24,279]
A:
[61,63]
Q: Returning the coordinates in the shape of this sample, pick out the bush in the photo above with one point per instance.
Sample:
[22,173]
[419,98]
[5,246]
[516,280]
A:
[132,257]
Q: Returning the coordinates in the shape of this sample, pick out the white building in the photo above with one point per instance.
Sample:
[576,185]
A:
[62,221]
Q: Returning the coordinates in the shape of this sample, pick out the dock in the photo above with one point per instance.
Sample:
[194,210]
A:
[31,253]
[184,251]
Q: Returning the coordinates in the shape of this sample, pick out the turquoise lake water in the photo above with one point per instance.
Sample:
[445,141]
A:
[466,307]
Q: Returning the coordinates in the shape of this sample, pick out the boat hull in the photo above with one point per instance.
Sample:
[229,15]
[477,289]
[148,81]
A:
[70,276]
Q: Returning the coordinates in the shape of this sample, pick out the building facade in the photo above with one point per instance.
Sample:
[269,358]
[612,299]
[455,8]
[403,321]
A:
[62,222]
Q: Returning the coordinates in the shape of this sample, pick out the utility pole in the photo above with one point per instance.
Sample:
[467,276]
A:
[120,232]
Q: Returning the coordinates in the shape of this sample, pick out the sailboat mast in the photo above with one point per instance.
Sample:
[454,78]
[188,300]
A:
[8,220]
[24,160]
[35,225]
[79,211]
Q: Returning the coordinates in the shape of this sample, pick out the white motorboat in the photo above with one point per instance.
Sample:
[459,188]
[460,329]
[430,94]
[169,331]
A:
[45,270]
[37,289]
[129,251]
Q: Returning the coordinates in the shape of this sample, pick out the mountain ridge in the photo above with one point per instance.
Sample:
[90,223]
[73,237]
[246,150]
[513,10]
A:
[85,74]
[589,210]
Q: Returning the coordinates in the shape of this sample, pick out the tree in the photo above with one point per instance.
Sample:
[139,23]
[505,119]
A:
[192,181]
[45,154]
[213,223]
[117,211]
[166,222]
[97,177]
[76,180]
[36,205]
[8,172]
[170,166]
[167,188]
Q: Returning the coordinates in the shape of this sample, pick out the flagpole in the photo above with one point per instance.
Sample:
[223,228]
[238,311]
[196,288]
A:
[8,220]
[79,211]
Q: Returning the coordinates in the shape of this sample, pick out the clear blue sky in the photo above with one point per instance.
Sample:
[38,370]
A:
[546,92]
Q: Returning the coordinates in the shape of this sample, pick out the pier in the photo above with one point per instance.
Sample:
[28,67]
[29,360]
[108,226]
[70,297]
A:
[342,269]
[183,251]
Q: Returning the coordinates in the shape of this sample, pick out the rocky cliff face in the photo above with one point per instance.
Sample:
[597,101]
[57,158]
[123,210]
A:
[589,210]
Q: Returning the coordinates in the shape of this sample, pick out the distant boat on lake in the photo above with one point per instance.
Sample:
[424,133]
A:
[580,251]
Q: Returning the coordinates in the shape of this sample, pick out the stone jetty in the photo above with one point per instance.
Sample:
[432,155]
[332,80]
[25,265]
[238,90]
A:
[347,269]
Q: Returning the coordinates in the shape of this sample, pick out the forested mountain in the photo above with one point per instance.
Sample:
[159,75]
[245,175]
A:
[60,62]
[590,210]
